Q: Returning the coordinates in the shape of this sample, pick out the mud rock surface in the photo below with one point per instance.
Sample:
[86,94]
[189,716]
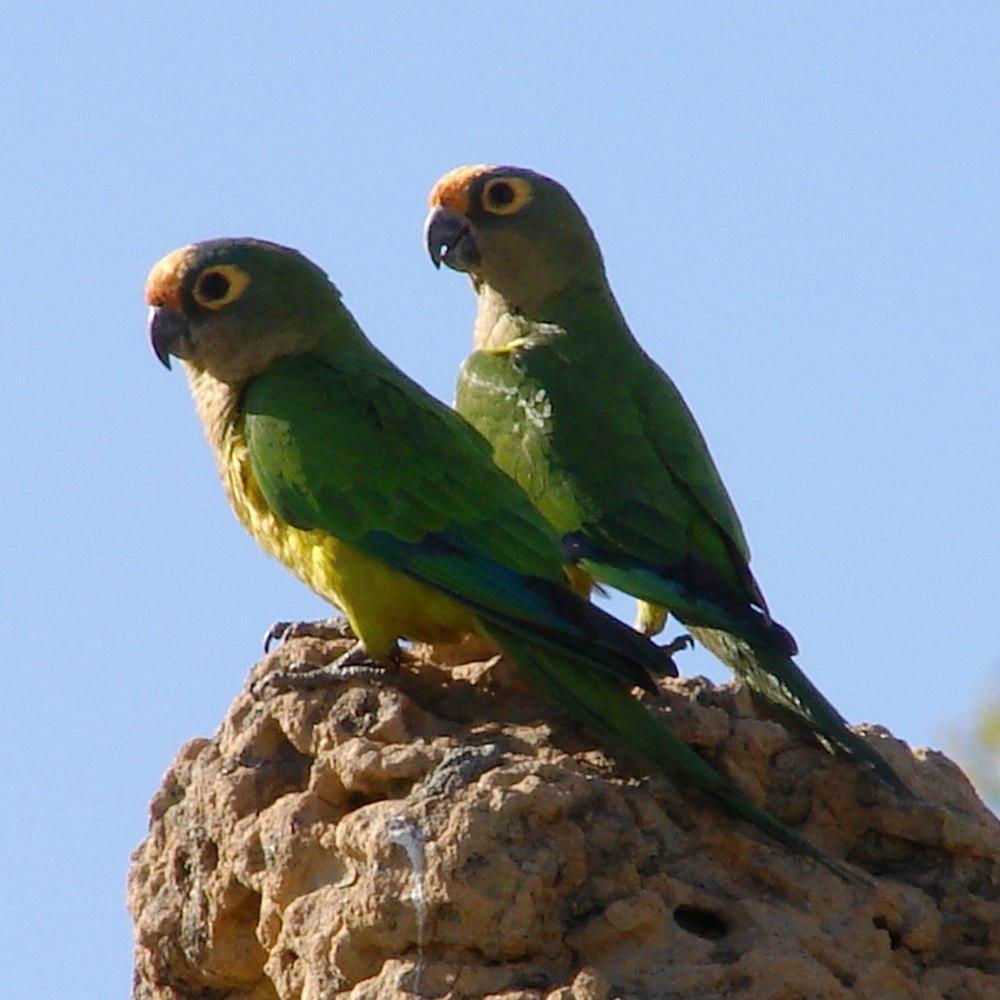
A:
[443,832]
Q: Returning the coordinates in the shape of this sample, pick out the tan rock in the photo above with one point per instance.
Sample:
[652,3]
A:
[443,833]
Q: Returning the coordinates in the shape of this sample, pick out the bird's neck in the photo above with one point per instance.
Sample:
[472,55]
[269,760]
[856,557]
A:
[217,404]
[497,322]
[581,311]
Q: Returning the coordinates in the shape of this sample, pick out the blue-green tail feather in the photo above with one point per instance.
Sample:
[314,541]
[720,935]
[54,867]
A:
[593,697]
[778,680]
[756,648]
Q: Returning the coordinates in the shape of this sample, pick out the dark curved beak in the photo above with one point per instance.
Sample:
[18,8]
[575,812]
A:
[450,240]
[168,331]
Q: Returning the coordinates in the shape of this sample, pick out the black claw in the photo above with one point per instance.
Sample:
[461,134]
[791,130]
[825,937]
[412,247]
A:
[276,633]
[326,628]
[677,645]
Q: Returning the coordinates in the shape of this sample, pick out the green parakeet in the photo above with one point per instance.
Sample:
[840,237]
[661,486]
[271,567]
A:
[599,437]
[386,502]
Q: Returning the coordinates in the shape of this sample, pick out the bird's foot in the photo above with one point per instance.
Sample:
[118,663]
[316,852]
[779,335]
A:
[354,664]
[677,645]
[326,628]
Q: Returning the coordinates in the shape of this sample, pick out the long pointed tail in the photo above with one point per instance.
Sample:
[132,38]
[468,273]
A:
[778,680]
[594,698]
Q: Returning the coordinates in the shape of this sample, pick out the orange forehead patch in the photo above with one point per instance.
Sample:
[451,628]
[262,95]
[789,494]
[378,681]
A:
[163,286]
[452,190]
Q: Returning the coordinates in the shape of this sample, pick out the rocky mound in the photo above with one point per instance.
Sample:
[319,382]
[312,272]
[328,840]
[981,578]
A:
[442,832]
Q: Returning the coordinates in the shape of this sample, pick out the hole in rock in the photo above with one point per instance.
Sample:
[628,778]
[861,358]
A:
[697,920]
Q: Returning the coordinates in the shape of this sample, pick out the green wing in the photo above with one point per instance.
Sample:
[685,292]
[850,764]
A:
[366,455]
[669,427]
[355,452]
[609,453]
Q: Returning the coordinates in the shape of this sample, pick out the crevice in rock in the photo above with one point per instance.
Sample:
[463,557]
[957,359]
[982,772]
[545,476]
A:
[883,925]
[277,767]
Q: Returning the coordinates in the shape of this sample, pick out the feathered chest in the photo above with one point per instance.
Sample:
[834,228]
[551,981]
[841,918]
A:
[511,397]
[311,555]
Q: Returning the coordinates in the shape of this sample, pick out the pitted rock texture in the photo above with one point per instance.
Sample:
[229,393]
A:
[443,832]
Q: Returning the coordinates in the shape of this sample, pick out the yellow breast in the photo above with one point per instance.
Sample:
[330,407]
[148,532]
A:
[381,604]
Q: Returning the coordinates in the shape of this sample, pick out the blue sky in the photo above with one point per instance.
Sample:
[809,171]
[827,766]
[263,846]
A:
[798,206]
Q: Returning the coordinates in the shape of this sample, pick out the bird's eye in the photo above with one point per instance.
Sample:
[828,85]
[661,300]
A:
[506,195]
[219,285]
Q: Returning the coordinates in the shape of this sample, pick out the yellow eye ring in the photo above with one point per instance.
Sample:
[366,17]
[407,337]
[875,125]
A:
[506,195]
[219,285]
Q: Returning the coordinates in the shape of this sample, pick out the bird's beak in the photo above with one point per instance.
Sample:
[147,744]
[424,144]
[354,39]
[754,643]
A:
[168,333]
[451,240]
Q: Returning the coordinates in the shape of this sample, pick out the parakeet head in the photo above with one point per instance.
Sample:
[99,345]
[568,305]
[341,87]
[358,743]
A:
[232,306]
[514,230]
